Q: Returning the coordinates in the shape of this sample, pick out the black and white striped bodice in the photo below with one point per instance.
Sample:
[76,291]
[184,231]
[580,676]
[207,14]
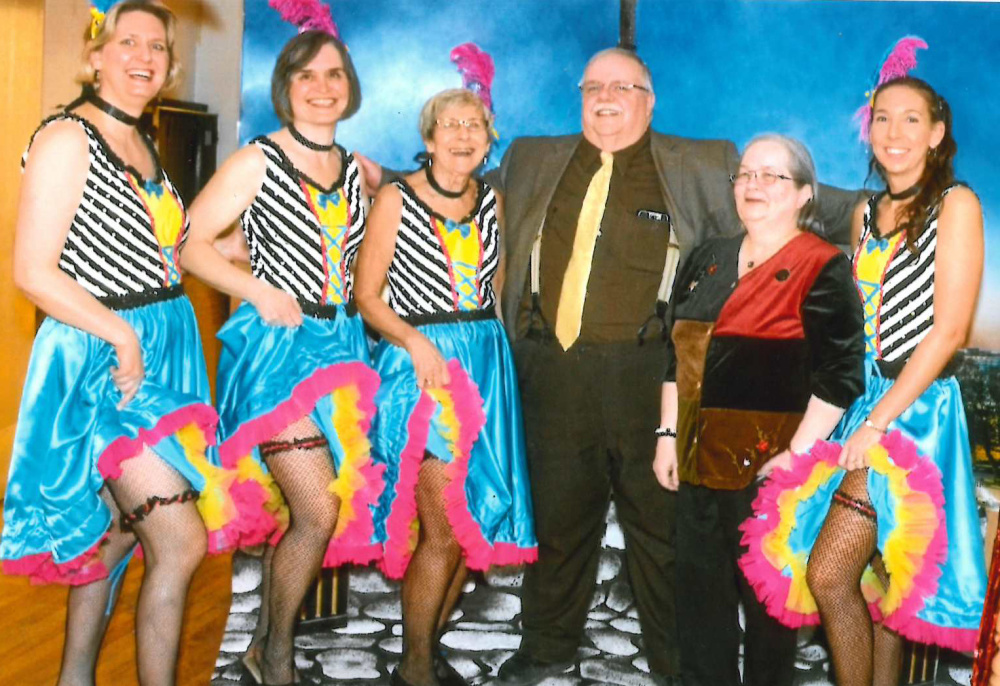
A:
[906,312]
[284,233]
[440,265]
[127,231]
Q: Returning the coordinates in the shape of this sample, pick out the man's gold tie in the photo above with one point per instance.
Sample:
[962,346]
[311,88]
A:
[574,286]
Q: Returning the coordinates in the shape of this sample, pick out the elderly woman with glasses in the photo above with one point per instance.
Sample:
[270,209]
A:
[448,424]
[765,352]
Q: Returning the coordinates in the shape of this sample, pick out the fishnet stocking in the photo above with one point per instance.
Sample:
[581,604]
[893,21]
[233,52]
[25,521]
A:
[843,550]
[86,620]
[260,631]
[173,542]
[433,578]
[888,644]
[304,474]
[453,594]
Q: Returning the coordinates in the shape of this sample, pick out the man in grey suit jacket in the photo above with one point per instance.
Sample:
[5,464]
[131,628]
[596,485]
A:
[591,409]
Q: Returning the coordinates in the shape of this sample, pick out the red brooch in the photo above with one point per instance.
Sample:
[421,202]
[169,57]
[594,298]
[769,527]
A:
[762,446]
[711,269]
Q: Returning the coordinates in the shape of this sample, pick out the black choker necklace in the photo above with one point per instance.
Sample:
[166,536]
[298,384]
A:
[308,143]
[104,106]
[904,194]
[442,191]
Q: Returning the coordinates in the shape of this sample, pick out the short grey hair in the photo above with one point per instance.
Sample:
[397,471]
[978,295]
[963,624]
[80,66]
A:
[439,102]
[803,171]
[628,54]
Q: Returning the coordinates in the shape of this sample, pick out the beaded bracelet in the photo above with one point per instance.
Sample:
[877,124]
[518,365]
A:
[872,425]
[664,432]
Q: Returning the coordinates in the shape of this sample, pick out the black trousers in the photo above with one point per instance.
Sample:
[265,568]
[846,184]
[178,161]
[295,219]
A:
[589,417]
[710,587]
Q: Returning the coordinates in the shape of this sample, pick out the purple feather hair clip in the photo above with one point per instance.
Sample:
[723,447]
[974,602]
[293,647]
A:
[898,62]
[307,15]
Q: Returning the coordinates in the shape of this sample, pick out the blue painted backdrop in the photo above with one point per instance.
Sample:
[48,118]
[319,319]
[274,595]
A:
[721,69]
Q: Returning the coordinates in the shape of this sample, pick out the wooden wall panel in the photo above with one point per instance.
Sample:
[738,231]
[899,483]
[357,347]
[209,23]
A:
[21,23]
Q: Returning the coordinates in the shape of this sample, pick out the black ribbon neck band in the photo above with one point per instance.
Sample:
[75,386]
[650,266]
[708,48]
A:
[302,140]
[454,195]
[904,194]
[90,95]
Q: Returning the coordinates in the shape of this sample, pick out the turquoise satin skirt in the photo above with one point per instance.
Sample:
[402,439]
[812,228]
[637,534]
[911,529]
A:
[474,425]
[271,376]
[936,423]
[923,492]
[71,436]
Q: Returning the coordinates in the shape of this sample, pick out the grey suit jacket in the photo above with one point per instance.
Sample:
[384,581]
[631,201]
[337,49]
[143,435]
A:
[694,177]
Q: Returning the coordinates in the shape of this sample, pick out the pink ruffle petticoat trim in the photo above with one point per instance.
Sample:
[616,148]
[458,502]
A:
[920,542]
[462,396]
[262,513]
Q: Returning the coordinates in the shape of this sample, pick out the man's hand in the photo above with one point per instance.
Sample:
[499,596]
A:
[371,174]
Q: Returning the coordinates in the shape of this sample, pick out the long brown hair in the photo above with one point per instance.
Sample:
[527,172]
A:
[939,172]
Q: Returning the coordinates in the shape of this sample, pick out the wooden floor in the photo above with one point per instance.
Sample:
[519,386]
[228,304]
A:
[31,629]
[32,617]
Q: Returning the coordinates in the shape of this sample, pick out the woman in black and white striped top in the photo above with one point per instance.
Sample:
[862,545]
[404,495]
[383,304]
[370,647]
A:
[917,267]
[104,460]
[448,426]
[295,389]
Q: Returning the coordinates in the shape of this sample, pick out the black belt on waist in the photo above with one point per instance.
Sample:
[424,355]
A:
[140,299]
[450,317]
[892,370]
[325,311]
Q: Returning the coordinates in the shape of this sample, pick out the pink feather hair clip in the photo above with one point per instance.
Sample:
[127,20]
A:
[307,15]
[477,70]
[898,62]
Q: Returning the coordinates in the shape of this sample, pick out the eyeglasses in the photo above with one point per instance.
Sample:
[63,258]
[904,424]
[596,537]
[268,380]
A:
[470,125]
[764,178]
[591,89]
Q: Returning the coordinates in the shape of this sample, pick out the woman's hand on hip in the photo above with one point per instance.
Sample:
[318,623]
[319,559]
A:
[276,307]
[855,452]
[665,462]
[428,364]
[130,372]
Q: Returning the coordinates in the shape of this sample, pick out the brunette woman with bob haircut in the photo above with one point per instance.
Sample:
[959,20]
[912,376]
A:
[295,389]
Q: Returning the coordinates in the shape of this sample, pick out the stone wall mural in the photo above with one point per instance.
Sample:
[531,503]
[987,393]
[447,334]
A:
[483,632]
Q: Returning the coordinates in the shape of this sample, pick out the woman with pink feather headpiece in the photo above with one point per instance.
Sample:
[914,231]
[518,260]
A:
[876,533]
[295,385]
[448,426]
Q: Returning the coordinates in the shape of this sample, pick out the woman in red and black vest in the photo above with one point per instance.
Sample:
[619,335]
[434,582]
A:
[766,351]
